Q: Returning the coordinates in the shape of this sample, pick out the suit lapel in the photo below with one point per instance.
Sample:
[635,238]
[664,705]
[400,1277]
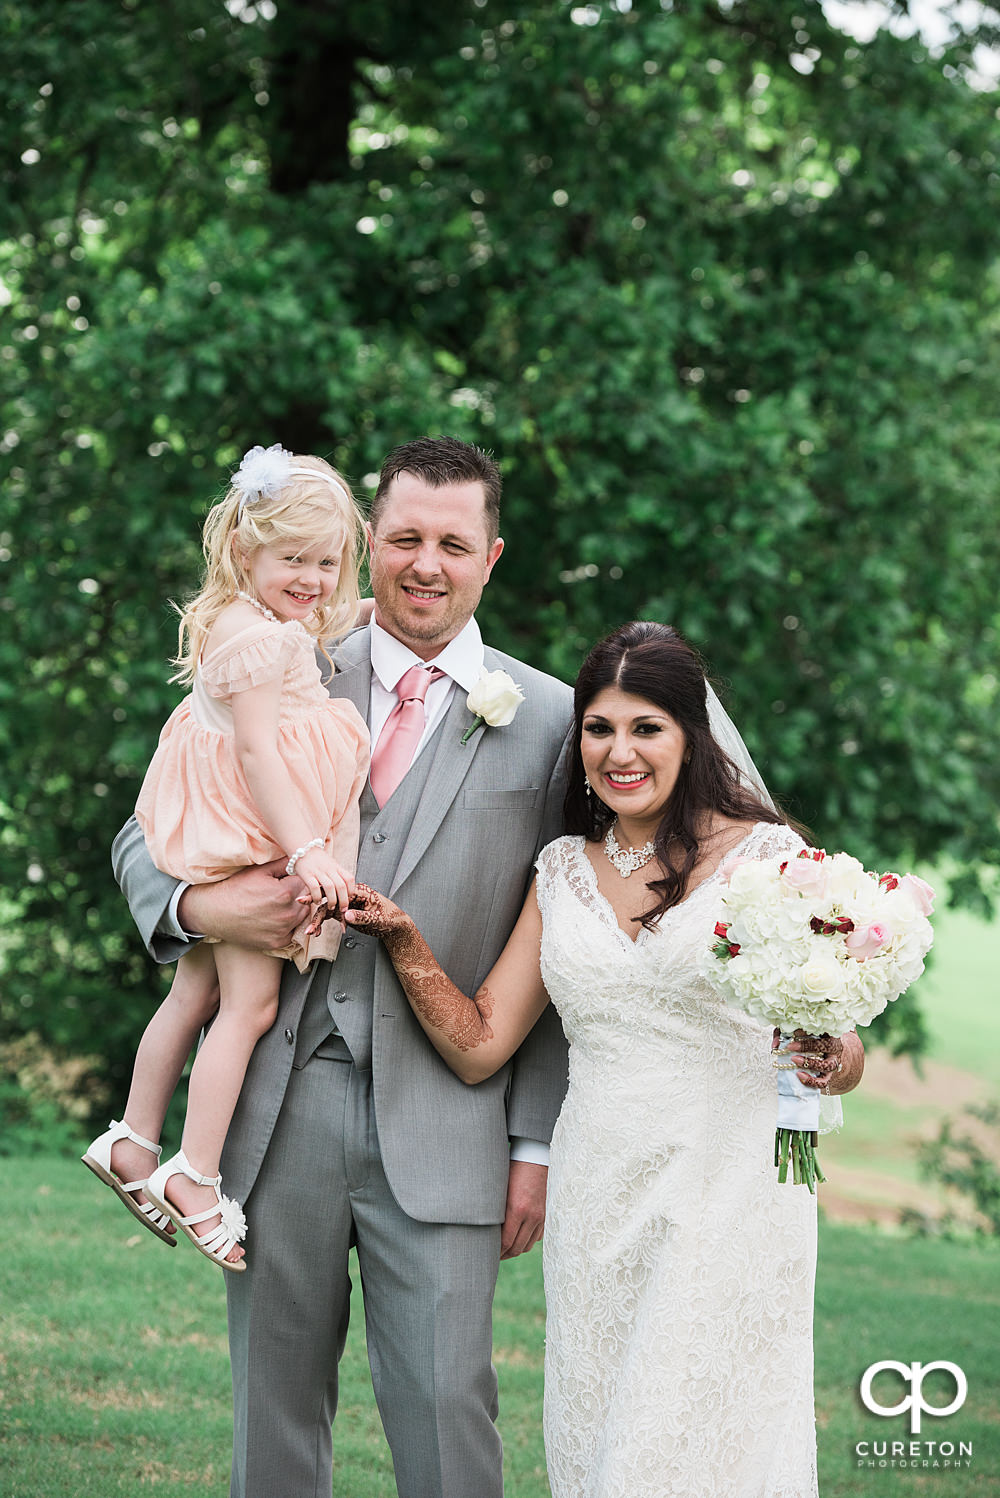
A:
[353,660]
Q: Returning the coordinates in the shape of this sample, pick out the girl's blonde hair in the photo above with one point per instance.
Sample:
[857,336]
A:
[305,512]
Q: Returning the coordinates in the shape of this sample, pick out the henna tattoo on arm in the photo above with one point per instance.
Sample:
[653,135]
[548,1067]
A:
[461,1021]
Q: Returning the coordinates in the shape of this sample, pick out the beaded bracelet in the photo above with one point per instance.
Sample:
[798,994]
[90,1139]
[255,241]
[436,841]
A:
[317,842]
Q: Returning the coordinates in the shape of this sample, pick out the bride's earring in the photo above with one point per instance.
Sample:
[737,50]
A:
[586,788]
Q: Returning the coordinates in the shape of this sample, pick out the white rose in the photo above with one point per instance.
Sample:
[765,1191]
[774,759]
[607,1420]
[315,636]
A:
[822,977]
[749,881]
[495,698]
[848,882]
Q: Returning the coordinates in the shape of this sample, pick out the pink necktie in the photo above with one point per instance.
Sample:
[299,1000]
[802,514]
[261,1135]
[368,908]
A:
[402,732]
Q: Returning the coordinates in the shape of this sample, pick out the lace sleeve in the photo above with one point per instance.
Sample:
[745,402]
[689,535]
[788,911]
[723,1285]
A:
[553,862]
[770,840]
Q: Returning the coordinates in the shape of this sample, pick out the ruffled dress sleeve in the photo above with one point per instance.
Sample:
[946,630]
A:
[196,808]
[255,655]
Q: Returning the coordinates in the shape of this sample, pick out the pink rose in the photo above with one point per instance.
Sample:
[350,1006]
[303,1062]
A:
[806,876]
[729,865]
[920,893]
[865,941]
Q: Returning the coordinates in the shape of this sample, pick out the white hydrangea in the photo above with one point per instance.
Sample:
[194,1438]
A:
[781,949]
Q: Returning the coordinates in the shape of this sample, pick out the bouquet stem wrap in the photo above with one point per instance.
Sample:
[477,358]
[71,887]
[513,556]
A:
[798,1122]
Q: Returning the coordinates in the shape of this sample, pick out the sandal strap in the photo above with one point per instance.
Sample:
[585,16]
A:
[201,1216]
[122,1131]
[134,1186]
[182,1166]
[154,1214]
[218,1242]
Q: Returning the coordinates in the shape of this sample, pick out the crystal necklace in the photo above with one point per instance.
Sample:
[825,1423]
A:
[627,860]
[260,607]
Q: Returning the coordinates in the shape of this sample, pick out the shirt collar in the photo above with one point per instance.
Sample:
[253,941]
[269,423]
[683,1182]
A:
[461,658]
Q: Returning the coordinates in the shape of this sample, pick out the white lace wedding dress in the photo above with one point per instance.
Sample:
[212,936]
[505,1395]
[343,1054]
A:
[678,1273]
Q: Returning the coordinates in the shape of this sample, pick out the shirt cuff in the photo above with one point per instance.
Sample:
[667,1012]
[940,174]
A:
[533,1151]
[170,925]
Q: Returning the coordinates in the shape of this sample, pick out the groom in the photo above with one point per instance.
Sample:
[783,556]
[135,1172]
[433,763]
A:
[350,1129]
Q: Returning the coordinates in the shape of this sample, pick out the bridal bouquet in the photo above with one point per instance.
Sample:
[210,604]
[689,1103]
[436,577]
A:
[815,944]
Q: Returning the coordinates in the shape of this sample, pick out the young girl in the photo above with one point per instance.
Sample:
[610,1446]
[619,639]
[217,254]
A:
[257,763]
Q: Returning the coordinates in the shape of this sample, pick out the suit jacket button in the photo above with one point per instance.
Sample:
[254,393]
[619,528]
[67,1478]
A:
[290,1037]
[378,837]
[339,998]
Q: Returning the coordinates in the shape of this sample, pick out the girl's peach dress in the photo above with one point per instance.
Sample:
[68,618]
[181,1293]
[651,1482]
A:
[195,807]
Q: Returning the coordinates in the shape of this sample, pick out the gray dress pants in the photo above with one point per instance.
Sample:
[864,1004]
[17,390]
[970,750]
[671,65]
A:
[428,1294]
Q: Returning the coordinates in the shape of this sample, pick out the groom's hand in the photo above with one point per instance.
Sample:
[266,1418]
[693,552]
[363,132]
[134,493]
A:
[524,1220]
[258,907]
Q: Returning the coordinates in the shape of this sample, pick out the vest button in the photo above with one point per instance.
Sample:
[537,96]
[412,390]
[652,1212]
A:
[290,1037]
[350,943]
[378,837]
[339,998]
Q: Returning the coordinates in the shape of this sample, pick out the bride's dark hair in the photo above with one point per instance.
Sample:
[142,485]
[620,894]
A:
[652,661]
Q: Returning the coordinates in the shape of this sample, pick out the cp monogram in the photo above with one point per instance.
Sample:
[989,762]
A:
[914,1374]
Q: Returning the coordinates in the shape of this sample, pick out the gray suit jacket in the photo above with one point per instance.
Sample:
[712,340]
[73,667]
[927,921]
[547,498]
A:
[458,858]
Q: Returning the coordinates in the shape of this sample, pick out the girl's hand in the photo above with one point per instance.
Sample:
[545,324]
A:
[375,914]
[325,880]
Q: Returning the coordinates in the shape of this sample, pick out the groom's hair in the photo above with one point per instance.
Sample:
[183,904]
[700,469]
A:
[439,461]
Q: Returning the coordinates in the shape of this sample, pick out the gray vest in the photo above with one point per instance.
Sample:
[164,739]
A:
[340,993]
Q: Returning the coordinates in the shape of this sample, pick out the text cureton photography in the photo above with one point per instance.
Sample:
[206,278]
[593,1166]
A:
[942,1454]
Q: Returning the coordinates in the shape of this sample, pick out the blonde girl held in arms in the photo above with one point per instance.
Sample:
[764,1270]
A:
[258,763]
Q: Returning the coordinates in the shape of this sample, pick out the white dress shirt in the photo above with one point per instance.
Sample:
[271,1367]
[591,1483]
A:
[461,660]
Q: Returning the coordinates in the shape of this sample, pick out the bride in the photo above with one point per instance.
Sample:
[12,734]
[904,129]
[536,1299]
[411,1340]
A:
[678,1272]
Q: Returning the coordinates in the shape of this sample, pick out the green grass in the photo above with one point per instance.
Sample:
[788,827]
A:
[114,1374]
[881,1296]
[114,1377]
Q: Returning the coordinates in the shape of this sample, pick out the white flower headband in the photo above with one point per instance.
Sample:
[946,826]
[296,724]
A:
[264,472]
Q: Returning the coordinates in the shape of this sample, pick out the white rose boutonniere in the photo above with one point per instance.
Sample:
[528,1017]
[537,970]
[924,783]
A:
[494,699]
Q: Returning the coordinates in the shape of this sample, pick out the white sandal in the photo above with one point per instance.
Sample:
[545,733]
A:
[233,1227]
[98,1159]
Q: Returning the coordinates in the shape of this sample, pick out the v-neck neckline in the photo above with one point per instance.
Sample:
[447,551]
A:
[644,932]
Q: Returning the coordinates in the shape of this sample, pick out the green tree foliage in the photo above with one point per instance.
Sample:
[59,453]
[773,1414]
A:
[714,281]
